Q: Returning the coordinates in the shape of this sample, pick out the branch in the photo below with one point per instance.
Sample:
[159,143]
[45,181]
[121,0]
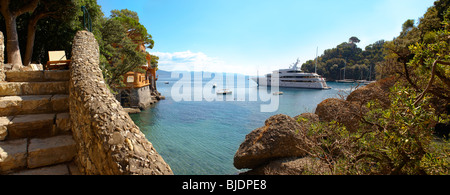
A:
[443,78]
[443,63]
[29,7]
[433,73]
[380,128]
[4,6]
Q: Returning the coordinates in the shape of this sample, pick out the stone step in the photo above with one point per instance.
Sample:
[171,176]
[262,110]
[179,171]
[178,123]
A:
[49,151]
[33,88]
[35,125]
[38,76]
[4,123]
[13,155]
[25,154]
[34,104]
[59,169]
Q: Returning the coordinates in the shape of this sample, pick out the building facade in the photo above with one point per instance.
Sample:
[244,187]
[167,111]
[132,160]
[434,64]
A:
[140,88]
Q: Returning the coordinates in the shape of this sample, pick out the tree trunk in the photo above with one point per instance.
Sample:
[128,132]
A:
[12,43]
[31,35]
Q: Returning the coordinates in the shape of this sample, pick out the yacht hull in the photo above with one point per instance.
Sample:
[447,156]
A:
[262,81]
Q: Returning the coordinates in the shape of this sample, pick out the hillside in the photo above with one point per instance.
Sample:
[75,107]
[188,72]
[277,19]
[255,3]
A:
[360,63]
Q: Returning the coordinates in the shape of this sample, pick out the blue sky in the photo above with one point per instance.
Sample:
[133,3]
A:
[244,36]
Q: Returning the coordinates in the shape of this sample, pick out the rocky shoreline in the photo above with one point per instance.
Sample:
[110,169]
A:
[281,146]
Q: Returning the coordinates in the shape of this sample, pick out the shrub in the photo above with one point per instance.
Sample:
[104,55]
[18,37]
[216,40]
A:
[397,140]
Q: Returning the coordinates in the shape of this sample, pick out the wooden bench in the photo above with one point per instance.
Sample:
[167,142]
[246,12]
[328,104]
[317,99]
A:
[57,61]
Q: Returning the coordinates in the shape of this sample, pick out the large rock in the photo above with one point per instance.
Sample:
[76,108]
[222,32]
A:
[281,137]
[347,113]
[378,91]
[307,119]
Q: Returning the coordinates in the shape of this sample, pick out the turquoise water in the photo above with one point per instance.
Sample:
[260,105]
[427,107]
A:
[201,137]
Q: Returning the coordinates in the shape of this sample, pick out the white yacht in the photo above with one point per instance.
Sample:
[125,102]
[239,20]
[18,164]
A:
[294,78]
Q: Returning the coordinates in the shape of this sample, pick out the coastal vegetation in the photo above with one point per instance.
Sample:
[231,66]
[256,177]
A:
[359,64]
[39,26]
[399,125]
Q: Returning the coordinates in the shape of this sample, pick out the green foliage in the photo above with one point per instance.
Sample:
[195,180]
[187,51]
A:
[360,64]
[354,40]
[398,139]
[118,36]
[130,21]
[56,31]
[411,55]
[119,51]
[390,141]
[154,61]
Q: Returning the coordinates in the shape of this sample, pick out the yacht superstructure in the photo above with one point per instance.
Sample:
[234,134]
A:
[293,77]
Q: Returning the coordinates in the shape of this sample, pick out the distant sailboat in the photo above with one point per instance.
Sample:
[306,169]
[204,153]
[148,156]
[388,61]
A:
[370,78]
[345,80]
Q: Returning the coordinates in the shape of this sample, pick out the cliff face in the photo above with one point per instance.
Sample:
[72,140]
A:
[107,139]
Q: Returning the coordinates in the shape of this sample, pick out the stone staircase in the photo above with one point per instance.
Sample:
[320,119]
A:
[35,132]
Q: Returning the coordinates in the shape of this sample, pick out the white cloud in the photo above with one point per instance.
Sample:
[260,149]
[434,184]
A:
[187,61]
[199,61]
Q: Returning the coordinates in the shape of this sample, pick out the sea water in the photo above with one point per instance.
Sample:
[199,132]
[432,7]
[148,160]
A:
[202,137]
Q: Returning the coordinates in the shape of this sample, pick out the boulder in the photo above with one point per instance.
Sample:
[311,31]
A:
[344,112]
[281,137]
[376,91]
[306,119]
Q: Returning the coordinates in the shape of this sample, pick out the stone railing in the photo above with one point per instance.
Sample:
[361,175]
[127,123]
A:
[108,141]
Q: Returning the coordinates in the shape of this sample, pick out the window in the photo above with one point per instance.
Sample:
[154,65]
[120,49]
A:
[130,79]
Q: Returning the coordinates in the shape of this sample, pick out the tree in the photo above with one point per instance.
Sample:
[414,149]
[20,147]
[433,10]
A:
[10,11]
[407,26]
[154,61]
[56,31]
[419,55]
[47,8]
[359,62]
[354,40]
[136,31]
[120,45]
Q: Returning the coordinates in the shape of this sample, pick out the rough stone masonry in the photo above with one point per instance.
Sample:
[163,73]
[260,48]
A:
[2,57]
[108,141]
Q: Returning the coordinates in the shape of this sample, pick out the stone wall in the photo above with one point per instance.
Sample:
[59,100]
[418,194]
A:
[108,141]
[2,57]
